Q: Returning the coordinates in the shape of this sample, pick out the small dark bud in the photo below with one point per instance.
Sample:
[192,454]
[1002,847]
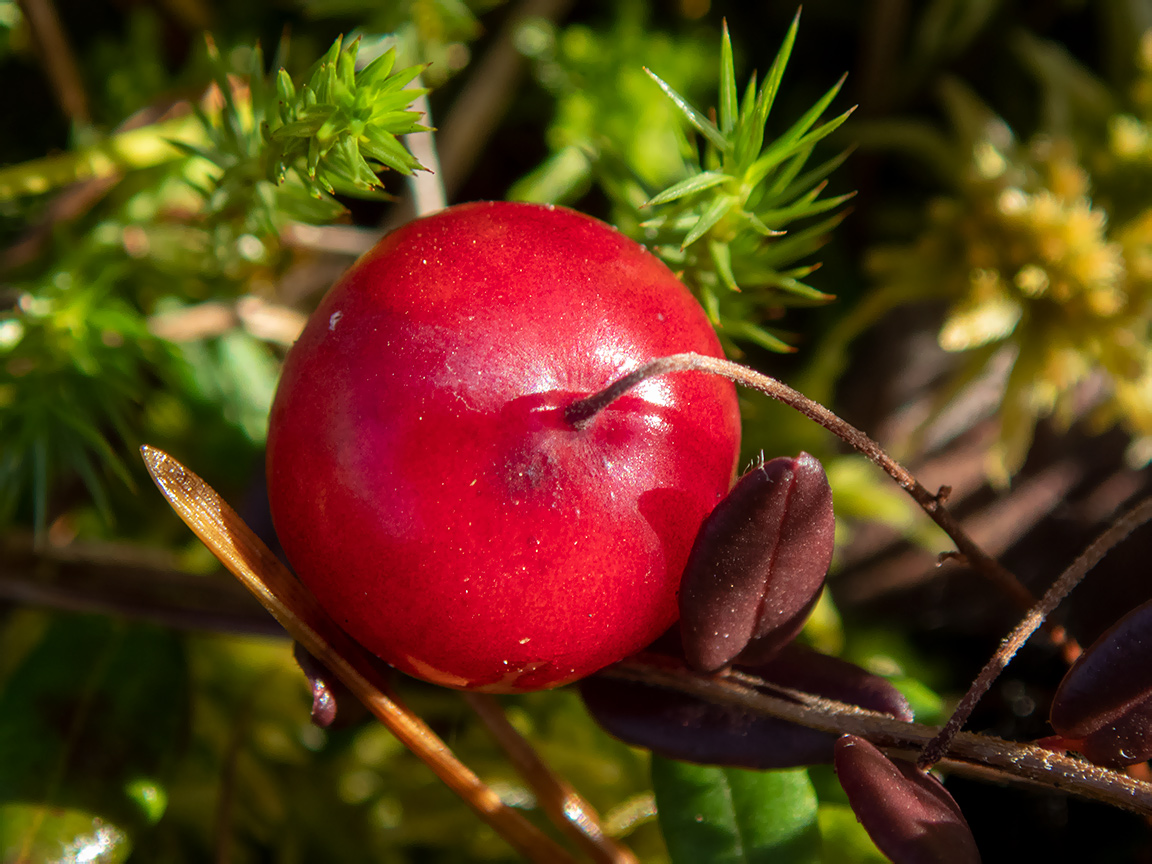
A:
[908,814]
[1109,680]
[683,727]
[758,563]
[325,687]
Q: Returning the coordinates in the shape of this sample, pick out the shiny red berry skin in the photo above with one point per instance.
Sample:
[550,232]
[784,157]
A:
[425,484]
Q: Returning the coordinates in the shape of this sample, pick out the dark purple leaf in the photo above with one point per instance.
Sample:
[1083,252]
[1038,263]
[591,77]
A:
[1109,679]
[758,563]
[691,730]
[687,729]
[799,668]
[909,816]
[761,649]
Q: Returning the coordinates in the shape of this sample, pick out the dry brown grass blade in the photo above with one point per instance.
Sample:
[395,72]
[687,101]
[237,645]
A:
[243,553]
[564,806]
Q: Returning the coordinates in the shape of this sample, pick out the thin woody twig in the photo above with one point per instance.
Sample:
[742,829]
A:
[481,104]
[582,411]
[59,60]
[112,579]
[969,754]
[935,749]
[564,806]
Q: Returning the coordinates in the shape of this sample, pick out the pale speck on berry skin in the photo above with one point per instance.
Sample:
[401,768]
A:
[334,319]
[659,316]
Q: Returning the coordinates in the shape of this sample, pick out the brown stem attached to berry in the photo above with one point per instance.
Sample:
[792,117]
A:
[242,552]
[935,749]
[581,412]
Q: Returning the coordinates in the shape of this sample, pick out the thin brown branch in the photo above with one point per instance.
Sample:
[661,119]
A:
[484,100]
[564,806]
[268,321]
[226,535]
[995,528]
[481,104]
[935,749]
[113,579]
[969,754]
[582,411]
[59,61]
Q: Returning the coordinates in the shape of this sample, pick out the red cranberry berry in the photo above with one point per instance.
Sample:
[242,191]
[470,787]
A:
[425,483]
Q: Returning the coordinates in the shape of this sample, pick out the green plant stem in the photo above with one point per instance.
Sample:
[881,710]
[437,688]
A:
[145,147]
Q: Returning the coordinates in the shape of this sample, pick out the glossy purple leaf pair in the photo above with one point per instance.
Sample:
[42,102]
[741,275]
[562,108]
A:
[908,814]
[682,727]
[1103,707]
[758,564]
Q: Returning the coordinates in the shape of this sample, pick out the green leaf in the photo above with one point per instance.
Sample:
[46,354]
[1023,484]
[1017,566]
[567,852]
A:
[786,186]
[795,138]
[748,104]
[732,816]
[711,304]
[728,96]
[807,206]
[722,260]
[560,179]
[759,336]
[695,183]
[705,126]
[750,137]
[133,150]
[800,243]
[379,69]
[716,211]
[845,840]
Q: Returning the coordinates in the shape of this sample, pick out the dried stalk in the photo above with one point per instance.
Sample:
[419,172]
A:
[564,806]
[59,59]
[242,552]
